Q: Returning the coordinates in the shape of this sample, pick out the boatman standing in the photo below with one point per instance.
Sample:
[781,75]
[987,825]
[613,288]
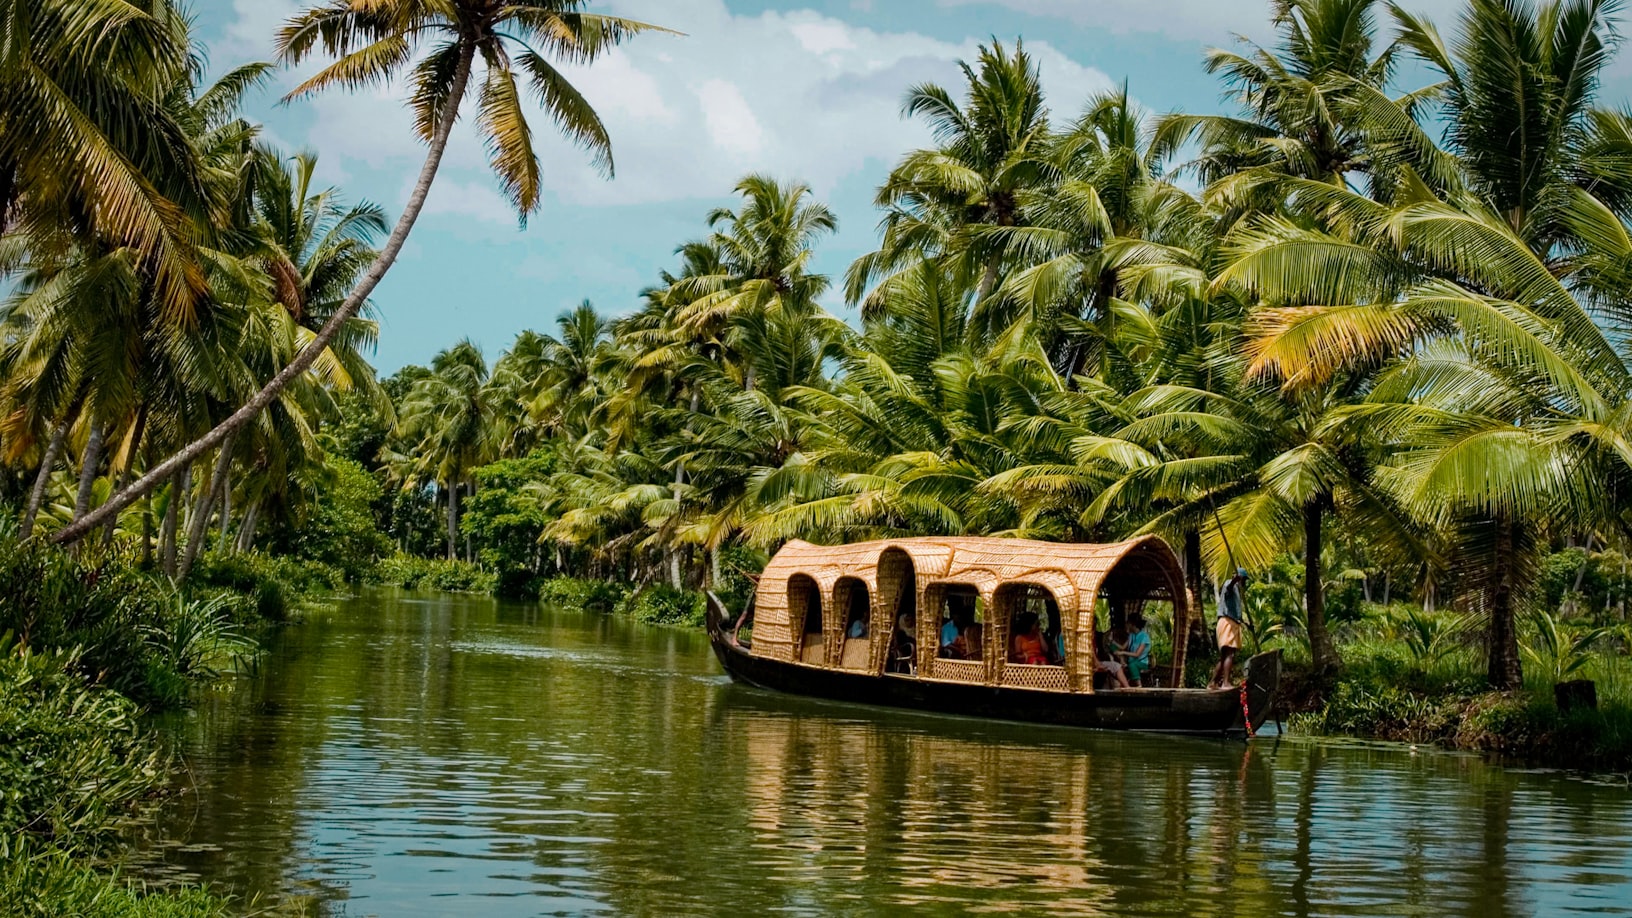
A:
[1231,602]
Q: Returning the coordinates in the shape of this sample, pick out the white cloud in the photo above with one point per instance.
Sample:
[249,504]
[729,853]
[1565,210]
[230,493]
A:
[731,123]
[1206,22]
[798,95]
[477,200]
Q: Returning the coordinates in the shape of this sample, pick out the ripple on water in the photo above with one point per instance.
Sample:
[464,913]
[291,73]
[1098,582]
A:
[460,757]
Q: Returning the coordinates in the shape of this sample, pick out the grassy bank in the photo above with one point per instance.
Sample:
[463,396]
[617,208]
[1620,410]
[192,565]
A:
[89,645]
[1419,677]
[656,604]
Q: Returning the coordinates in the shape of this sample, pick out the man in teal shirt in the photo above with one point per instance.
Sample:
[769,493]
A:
[1138,652]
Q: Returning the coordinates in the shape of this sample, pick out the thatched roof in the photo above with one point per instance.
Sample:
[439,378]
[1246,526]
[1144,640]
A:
[1074,574]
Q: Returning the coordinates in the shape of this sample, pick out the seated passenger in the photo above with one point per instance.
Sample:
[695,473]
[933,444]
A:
[858,628]
[974,640]
[1104,664]
[1137,654]
[903,645]
[960,634]
[1027,646]
[951,632]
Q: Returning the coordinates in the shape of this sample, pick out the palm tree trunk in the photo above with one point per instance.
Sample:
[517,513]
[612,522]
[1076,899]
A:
[988,280]
[246,529]
[48,464]
[180,483]
[1504,669]
[112,525]
[147,532]
[308,354]
[453,521]
[199,525]
[109,528]
[226,518]
[87,471]
[1192,566]
[1314,594]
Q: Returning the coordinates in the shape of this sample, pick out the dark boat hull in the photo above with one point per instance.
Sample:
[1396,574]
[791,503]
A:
[1154,710]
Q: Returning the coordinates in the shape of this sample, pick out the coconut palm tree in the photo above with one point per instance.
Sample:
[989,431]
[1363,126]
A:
[1487,285]
[1299,102]
[82,145]
[376,40]
[991,151]
[446,420]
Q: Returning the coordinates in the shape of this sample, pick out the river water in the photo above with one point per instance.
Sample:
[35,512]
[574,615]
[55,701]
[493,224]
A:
[411,754]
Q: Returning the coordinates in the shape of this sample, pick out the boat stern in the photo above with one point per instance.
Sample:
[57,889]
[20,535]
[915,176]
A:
[1263,681]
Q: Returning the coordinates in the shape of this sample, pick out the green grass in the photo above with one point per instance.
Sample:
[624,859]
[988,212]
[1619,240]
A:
[1420,677]
[53,883]
[412,573]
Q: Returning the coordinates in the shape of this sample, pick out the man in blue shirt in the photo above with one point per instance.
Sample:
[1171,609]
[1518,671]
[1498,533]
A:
[1137,655]
[1231,603]
[961,614]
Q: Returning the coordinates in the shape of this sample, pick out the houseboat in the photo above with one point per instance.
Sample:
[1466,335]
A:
[928,624]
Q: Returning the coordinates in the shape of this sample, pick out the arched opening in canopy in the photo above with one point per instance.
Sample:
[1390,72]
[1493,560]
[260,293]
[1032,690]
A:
[805,613]
[855,610]
[898,605]
[1146,584]
[1035,636]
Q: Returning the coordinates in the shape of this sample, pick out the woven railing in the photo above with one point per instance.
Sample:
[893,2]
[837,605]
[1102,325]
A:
[958,670]
[1025,675]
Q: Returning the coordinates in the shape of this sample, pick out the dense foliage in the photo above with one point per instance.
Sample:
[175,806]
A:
[1377,357]
[1362,332]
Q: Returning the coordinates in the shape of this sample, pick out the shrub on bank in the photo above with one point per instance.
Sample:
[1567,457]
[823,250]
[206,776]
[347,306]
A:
[1392,692]
[132,631]
[73,756]
[425,573]
[664,605]
[86,642]
[271,586]
[582,593]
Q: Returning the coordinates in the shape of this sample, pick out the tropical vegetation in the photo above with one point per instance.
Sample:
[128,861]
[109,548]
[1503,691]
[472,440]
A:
[1363,332]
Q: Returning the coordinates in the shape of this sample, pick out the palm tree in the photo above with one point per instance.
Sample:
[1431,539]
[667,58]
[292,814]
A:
[568,390]
[1487,282]
[990,153]
[759,256]
[374,41]
[447,423]
[82,144]
[1300,104]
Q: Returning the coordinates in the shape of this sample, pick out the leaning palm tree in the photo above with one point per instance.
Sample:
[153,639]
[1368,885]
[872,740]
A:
[376,40]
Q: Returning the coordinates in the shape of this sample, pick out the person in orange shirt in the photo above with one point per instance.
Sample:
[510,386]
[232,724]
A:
[1027,645]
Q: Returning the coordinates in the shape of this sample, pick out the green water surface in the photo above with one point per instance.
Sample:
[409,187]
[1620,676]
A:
[412,754]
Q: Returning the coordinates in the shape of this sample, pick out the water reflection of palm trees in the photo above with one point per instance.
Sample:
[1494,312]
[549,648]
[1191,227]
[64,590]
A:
[979,814]
[577,762]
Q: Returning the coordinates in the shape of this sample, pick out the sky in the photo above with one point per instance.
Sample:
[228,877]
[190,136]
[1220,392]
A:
[808,91]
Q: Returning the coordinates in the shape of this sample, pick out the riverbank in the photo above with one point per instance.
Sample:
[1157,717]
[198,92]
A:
[1378,698]
[1410,676]
[91,645]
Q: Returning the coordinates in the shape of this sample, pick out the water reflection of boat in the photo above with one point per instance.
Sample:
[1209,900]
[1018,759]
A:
[864,623]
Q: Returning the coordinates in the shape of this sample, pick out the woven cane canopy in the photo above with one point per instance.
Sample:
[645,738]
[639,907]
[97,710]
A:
[900,573]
